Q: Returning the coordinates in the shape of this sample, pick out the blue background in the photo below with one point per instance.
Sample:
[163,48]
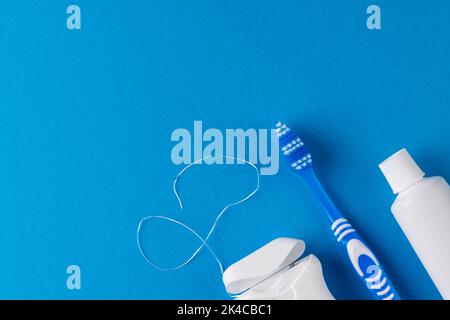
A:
[86,118]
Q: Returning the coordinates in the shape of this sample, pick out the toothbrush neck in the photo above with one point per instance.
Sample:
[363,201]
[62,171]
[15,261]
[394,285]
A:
[321,195]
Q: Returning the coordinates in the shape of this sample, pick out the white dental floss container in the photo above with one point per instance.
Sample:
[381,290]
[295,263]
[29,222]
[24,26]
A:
[276,271]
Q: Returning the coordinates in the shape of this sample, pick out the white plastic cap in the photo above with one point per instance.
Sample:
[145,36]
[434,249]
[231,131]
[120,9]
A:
[401,171]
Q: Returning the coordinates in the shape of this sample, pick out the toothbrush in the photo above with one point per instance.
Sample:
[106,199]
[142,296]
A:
[363,261]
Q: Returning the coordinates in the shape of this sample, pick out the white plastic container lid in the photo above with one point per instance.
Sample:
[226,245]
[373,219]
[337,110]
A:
[401,171]
[262,263]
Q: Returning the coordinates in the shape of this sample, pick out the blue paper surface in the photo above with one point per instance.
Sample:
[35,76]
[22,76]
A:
[86,118]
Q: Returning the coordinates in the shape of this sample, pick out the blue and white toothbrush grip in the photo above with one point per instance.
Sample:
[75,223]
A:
[364,261]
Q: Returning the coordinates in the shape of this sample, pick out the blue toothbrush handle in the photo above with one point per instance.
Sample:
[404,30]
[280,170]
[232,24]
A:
[364,262]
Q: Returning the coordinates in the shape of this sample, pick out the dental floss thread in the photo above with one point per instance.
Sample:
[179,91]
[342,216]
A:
[203,240]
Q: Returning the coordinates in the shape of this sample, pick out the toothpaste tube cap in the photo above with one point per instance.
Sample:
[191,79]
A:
[401,171]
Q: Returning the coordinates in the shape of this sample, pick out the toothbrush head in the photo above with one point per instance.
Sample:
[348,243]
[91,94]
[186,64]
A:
[293,148]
